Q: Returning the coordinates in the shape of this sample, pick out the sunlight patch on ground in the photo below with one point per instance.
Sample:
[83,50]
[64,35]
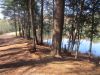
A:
[13,46]
[19,61]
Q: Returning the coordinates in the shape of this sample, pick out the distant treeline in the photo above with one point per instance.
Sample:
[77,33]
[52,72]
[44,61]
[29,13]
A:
[5,26]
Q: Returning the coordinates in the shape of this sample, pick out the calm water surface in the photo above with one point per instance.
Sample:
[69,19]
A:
[84,46]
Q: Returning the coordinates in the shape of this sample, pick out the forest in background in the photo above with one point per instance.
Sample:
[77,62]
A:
[73,19]
[6,26]
[50,37]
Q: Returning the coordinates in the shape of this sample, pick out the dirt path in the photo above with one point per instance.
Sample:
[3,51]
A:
[7,35]
[15,59]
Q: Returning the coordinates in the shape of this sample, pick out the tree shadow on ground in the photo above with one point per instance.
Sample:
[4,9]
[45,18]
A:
[11,41]
[32,63]
[2,41]
[11,53]
[23,60]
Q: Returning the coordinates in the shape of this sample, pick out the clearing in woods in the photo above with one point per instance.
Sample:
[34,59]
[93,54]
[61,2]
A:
[15,59]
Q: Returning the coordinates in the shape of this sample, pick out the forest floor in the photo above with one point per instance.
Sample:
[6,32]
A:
[15,59]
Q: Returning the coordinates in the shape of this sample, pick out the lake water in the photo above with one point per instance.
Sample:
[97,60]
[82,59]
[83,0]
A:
[84,46]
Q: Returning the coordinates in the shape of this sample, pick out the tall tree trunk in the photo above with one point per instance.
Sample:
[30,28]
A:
[15,20]
[79,28]
[34,16]
[53,12]
[58,25]
[92,27]
[19,19]
[28,23]
[31,8]
[40,34]
[19,24]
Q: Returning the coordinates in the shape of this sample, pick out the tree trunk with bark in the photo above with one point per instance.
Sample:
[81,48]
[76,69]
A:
[58,25]
[31,8]
[40,28]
